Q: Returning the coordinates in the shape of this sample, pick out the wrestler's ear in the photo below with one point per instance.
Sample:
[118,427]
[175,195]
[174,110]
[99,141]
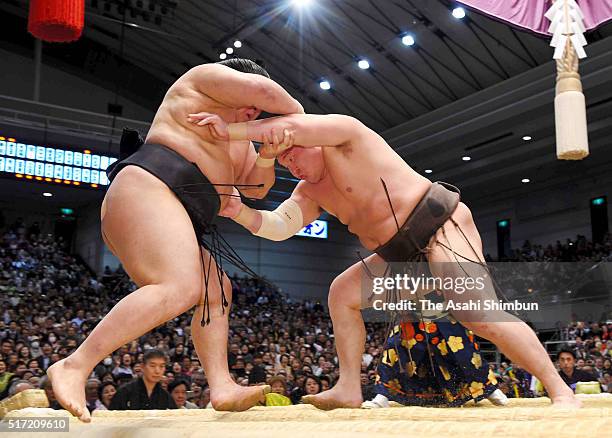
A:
[247,113]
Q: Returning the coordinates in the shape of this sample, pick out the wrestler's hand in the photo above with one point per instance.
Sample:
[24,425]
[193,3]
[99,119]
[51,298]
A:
[232,208]
[274,146]
[218,127]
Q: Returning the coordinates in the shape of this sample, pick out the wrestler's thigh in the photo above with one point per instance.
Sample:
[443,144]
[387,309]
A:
[465,242]
[457,253]
[150,231]
[349,288]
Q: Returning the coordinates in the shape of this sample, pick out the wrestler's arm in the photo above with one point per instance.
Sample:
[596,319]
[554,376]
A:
[307,129]
[237,90]
[258,168]
[281,224]
[256,171]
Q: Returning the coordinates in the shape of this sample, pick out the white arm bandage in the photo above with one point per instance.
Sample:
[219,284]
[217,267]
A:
[281,223]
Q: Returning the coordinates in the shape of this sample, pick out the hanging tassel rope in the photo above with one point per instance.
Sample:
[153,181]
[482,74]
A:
[57,21]
[568,29]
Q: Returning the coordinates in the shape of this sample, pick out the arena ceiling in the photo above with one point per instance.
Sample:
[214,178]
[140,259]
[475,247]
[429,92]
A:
[143,48]
[324,39]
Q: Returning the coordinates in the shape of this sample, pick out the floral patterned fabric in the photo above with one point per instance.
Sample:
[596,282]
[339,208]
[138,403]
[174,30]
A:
[456,373]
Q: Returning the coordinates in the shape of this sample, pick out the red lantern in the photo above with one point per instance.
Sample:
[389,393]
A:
[57,21]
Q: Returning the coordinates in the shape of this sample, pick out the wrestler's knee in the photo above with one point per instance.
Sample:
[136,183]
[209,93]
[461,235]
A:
[490,330]
[463,215]
[342,293]
[216,293]
[186,292]
[335,290]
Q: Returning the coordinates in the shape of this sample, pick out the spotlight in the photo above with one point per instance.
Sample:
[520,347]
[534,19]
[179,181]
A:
[466,158]
[47,194]
[237,44]
[459,13]
[301,3]
[525,180]
[229,50]
[527,138]
[363,64]
[325,85]
[428,170]
[222,56]
[408,40]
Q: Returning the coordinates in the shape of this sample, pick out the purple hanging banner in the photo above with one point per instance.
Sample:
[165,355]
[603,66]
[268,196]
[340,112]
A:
[529,14]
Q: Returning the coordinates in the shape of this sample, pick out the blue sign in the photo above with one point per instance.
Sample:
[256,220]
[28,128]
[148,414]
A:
[317,229]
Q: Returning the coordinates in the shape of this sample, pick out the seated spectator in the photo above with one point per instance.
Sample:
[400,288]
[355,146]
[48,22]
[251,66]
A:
[568,371]
[125,367]
[278,385]
[18,386]
[257,375]
[92,396]
[599,367]
[310,385]
[145,392]
[278,394]
[5,377]
[178,391]
[106,392]
[326,382]
[103,367]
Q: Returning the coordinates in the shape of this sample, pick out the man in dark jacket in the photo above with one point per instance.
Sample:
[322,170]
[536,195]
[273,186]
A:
[568,371]
[145,392]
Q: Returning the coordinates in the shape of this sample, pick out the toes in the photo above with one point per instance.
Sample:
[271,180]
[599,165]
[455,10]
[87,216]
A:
[307,399]
[266,389]
[86,417]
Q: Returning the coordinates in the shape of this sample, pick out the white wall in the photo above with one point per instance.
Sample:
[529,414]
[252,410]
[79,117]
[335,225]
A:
[543,216]
[61,88]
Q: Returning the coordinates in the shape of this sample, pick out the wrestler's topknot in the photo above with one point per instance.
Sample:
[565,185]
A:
[245,66]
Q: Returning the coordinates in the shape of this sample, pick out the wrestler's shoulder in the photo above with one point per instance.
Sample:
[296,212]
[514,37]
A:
[305,188]
[196,73]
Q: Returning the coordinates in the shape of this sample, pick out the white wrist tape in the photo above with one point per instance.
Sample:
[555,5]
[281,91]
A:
[281,223]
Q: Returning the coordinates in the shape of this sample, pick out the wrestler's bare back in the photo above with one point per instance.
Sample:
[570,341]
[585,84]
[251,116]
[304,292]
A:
[352,191]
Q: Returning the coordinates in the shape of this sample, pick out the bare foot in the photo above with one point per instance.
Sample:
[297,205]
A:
[238,398]
[566,401]
[337,397]
[68,382]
